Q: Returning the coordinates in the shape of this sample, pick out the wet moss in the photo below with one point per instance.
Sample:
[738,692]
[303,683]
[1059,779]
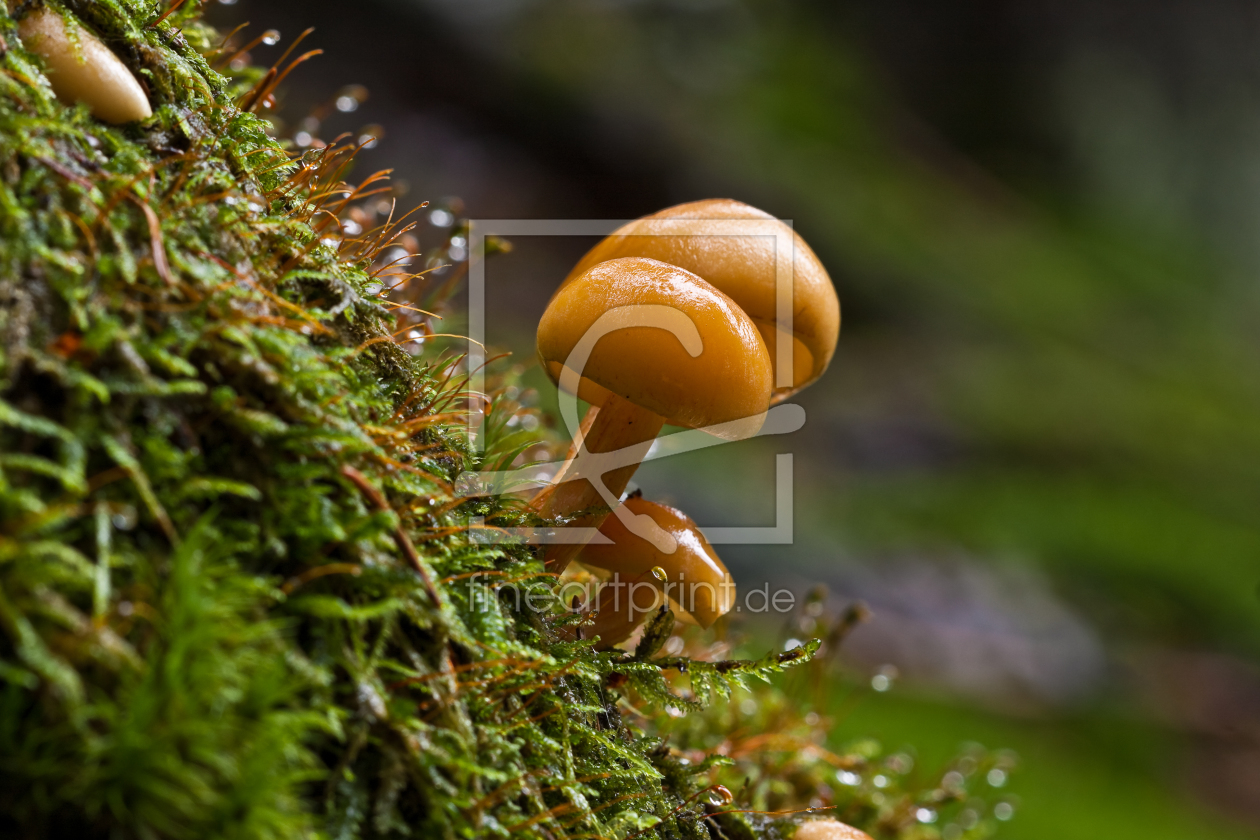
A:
[239,596]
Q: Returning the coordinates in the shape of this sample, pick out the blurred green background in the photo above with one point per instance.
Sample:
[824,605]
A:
[1036,455]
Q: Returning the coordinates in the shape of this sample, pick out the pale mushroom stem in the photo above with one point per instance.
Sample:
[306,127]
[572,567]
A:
[619,424]
[543,496]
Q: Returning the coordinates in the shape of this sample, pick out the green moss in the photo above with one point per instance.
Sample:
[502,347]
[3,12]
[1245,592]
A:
[222,489]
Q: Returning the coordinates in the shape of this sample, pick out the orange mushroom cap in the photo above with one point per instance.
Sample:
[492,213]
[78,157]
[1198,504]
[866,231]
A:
[695,579]
[698,237]
[729,378]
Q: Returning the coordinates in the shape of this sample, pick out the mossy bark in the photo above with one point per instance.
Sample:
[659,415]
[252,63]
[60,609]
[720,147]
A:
[222,488]
[207,625]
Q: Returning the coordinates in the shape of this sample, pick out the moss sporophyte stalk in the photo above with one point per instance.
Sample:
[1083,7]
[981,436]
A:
[238,593]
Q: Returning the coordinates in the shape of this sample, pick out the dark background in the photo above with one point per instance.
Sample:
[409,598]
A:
[1037,453]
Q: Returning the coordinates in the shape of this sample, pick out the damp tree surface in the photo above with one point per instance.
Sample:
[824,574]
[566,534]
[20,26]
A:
[239,595]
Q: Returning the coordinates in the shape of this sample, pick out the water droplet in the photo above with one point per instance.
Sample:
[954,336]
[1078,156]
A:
[125,518]
[441,218]
[925,815]
[1004,811]
[900,763]
[349,97]
[659,574]
[880,781]
[848,777]
[996,777]
[791,644]
[883,680]
[812,719]
[370,135]
[271,37]
[351,228]
[721,795]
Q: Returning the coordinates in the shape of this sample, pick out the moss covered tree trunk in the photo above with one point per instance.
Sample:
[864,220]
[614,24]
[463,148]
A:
[238,597]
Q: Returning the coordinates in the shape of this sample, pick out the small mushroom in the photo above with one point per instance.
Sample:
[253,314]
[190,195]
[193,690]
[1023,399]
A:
[82,69]
[691,577]
[704,238]
[828,829]
[649,343]
[621,606]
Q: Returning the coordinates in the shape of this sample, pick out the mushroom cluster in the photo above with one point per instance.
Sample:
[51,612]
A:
[702,315]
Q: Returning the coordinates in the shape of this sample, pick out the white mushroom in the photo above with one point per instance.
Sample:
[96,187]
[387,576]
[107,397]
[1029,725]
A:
[828,829]
[82,69]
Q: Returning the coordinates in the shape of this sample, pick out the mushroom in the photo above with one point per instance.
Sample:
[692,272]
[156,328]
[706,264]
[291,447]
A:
[828,829]
[741,261]
[649,343]
[622,606]
[692,577]
[82,69]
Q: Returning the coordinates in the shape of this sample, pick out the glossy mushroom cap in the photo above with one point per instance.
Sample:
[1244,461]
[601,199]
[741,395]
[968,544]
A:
[729,379]
[698,237]
[695,579]
[82,69]
[828,829]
